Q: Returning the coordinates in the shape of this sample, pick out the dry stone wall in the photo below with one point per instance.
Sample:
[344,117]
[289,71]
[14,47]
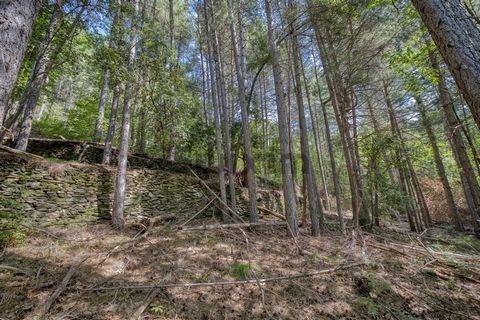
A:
[41,190]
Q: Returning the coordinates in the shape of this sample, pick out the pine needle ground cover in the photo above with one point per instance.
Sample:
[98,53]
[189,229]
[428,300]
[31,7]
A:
[397,275]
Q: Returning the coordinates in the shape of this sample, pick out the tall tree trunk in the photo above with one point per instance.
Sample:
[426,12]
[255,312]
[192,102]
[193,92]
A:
[38,77]
[251,180]
[340,107]
[216,112]
[452,208]
[115,42]
[204,98]
[141,128]
[101,106]
[458,40]
[331,154]
[470,183]
[315,207]
[120,181]
[224,107]
[409,181]
[107,149]
[263,100]
[42,68]
[16,23]
[288,186]
[316,138]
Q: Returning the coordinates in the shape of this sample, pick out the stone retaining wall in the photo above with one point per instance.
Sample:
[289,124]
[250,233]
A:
[44,190]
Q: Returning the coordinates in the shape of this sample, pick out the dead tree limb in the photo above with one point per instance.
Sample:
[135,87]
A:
[234,225]
[196,214]
[270,212]
[229,283]
[217,197]
[42,309]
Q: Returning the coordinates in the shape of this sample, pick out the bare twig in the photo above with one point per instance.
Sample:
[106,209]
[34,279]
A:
[226,283]
[217,197]
[196,214]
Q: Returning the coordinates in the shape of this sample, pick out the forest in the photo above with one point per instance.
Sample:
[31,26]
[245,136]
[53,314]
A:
[239,159]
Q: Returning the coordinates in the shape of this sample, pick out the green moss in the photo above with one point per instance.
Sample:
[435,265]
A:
[11,219]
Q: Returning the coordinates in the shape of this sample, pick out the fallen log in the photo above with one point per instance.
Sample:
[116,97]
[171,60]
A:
[234,225]
[239,282]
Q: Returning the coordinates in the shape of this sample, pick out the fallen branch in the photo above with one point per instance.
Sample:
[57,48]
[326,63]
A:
[234,225]
[225,283]
[42,309]
[217,197]
[270,212]
[5,267]
[196,214]
[141,308]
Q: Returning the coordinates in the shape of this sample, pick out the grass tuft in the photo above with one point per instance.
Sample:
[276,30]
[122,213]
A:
[244,271]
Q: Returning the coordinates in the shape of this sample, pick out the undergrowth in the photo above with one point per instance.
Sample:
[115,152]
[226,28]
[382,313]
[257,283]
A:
[244,271]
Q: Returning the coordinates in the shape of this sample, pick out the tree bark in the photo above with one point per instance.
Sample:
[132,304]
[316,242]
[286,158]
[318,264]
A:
[251,179]
[16,23]
[204,97]
[222,93]
[452,208]
[288,186]
[216,112]
[331,154]
[101,106]
[316,138]
[458,40]
[107,149]
[120,181]
[314,205]
[469,180]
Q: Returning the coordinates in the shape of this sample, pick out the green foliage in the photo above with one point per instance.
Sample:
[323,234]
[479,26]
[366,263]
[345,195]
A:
[377,284]
[243,270]
[368,305]
[79,124]
[157,309]
[259,46]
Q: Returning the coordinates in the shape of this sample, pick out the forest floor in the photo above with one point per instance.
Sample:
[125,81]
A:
[92,271]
